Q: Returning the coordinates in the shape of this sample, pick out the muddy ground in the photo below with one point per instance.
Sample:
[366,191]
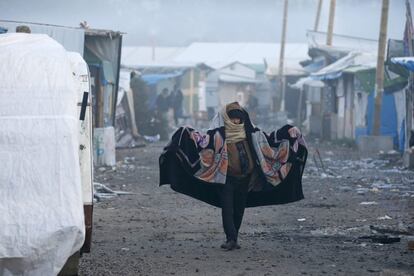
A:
[159,232]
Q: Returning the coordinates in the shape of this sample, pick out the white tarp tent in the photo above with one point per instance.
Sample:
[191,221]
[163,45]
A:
[42,221]
[73,39]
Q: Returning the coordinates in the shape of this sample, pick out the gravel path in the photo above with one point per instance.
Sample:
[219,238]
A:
[159,232]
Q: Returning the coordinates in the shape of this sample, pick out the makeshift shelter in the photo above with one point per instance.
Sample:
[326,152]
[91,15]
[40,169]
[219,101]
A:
[42,216]
[160,70]
[218,55]
[261,57]
[102,52]
[236,82]
[101,49]
[346,97]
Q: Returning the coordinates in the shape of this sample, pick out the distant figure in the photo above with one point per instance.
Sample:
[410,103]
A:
[252,105]
[140,96]
[163,105]
[23,29]
[177,104]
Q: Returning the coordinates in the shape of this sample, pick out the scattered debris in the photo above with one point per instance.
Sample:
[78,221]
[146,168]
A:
[102,192]
[152,139]
[375,190]
[384,218]
[389,231]
[384,239]
[128,141]
[368,203]
[362,191]
[318,161]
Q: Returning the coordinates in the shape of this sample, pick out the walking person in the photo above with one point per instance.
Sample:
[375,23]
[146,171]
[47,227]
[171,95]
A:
[162,107]
[235,165]
[140,98]
[177,104]
[240,168]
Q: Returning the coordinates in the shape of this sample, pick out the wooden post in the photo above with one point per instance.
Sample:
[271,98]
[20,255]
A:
[318,15]
[409,90]
[379,84]
[99,100]
[331,22]
[282,55]
[100,111]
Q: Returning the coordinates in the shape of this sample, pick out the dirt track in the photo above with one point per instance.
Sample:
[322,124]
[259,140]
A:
[159,232]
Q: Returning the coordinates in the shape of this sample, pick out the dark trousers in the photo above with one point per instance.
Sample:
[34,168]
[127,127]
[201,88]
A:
[233,200]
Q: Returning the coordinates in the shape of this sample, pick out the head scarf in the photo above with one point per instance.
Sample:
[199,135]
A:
[234,132]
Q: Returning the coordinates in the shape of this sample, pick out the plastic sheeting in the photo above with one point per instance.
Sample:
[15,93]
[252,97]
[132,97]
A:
[335,70]
[407,62]
[42,221]
[389,123]
[71,38]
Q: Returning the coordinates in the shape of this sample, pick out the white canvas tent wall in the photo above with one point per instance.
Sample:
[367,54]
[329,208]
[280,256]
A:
[71,38]
[42,221]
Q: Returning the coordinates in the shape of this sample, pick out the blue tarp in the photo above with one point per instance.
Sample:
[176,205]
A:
[153,79]
[316,65]
[407,62]
[389,121]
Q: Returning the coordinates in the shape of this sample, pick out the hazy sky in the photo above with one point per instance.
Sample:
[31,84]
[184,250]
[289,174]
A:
[180,22]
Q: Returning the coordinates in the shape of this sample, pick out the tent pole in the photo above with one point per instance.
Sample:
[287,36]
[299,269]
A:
[318,15]
[331,22]
[282,55]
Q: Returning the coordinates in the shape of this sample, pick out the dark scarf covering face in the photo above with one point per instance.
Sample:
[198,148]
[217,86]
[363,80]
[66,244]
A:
[196,163]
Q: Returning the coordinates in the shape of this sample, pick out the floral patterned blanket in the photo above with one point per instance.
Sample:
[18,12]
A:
[195,162]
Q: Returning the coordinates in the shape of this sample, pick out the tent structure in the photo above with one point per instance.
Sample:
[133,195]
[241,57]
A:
[42,217]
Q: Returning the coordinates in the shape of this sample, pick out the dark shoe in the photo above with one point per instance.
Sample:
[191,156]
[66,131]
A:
[229,245]
[224,245]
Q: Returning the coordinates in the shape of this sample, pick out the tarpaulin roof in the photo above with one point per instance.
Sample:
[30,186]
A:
[152,79]
[135,57]
[71,38]
[341,42]
[236,79]
[335,70]
[314,65]
[307,81]
[407,62]
[218,55]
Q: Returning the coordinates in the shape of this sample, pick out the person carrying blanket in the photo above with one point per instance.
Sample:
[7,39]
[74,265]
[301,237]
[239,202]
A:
[235,165]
